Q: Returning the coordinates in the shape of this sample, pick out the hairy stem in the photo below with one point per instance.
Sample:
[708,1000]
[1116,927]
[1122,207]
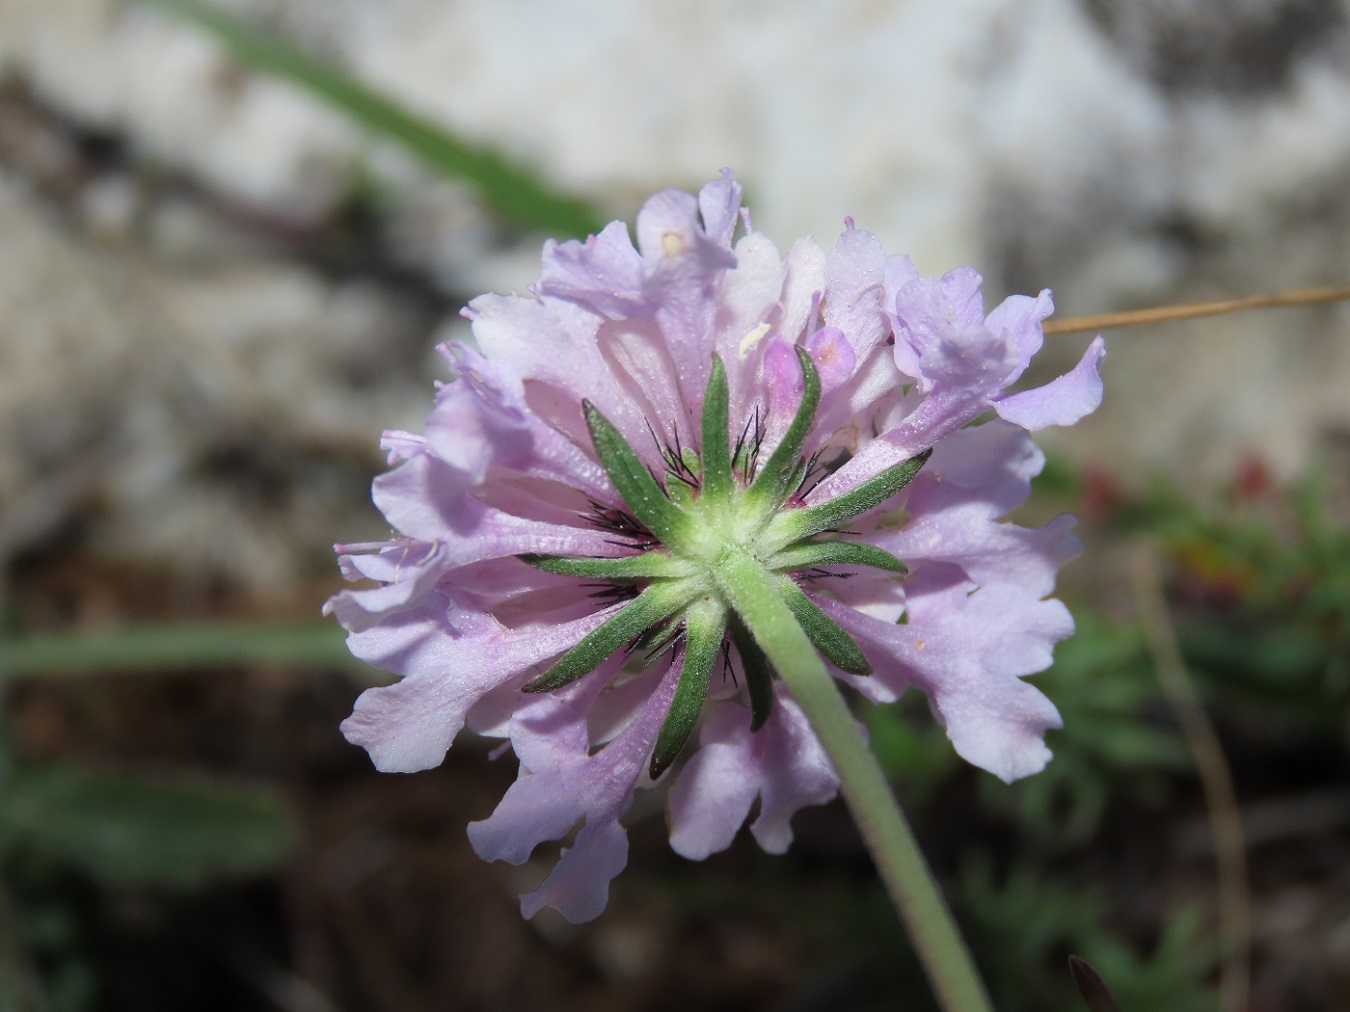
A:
[751,591]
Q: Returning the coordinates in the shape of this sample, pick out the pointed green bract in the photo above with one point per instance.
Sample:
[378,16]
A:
[645,499]
[705,623]
[774,483]
[794,525]
[647,566]
[812,554]
[758,673]
[655,604]
[716,464]
[825,634]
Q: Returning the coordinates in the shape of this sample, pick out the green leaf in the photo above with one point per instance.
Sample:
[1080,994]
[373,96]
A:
[125,831]
[794,525]
[717,478]
[758,673]
[506,187]
[774,483]
[813,554]
[647,566]
[176,647]
[1091,986]
[823,631]
[705,624]
[645,499]
[655,604]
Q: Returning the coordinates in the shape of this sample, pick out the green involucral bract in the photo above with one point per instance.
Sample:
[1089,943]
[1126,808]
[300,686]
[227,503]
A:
[716,515]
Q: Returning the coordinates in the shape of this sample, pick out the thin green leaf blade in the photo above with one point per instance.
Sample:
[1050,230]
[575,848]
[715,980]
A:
[655,604]
[758,673]
[645,499]
[795,525]
[825,634]
[717,481]
[646,566]
[176,646]
[127,831]
[814,554]
[773,484]
[705,625]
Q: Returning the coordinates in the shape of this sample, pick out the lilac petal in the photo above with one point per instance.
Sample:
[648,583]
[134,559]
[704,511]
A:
[974,477]
[750,310]
[1062,401]
[482,420]
[449,658]
[994,462]
[833,356]
[1018,319]
[409,571]
[684,269]
[605,273]
[967,652]
[854,271]
[561,783]
[719,202]
[783,383]
[399,445]
[426,500]
[782,764]
[961,292]
[553,342]
[988,552]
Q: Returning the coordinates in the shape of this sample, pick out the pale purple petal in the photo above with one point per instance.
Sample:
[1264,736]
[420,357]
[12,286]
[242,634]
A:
[560,784]
[833,357]
[719,202]
[408,571]
[854,271]
[967,652]
[1062,401]
[449,658]
[782,764]
[605,272]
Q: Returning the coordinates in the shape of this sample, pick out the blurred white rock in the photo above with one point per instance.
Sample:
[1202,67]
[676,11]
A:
[1121,154]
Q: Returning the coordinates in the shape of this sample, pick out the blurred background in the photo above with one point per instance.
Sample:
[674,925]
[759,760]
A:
[230,237]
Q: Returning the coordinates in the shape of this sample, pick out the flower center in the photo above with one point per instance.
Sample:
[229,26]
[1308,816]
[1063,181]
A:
[715,515]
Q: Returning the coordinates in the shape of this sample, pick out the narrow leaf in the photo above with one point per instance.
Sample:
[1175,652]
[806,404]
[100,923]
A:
[126,831]
[773,484]
[823,631]
[717,478]
[176,646]
[647,566]
[794,525]
[1091,986]
[656,603]
[758,673]
[506,187]
[705,624]
[645,499]
[811,554]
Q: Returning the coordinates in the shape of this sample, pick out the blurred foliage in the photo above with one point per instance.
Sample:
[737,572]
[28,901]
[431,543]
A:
[177,646]
[125,831]
[1024,926]
[118,832]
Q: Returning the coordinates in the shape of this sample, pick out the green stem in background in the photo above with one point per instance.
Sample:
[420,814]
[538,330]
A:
[752,592]
[506,187]
[175,647]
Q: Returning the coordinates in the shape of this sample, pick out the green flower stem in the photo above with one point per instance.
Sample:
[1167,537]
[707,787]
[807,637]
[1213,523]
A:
[752,592]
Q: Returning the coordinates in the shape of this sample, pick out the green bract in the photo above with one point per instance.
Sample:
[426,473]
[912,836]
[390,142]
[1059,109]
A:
[722,530]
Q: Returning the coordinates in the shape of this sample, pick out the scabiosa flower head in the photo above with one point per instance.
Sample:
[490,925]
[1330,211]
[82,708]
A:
[643,425]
